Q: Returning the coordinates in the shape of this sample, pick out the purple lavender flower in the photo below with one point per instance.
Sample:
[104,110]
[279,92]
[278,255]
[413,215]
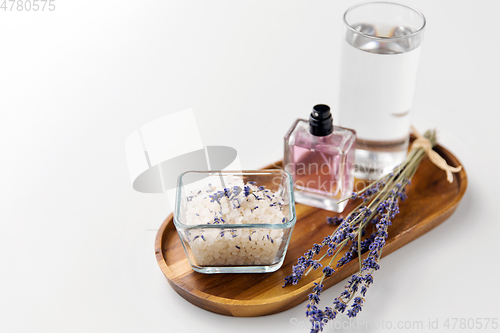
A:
[339,305]
[316,264]
[355,308]
[314,298]
[333,220]
[316,248]
[368,279]
[328,271]
[247,191]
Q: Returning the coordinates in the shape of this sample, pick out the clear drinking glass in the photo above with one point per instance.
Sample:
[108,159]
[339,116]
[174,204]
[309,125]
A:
[380,55]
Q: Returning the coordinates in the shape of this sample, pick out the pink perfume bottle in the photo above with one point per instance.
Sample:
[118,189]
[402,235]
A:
[320,158]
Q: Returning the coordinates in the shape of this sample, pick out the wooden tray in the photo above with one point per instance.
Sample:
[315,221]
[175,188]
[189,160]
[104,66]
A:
[431,200]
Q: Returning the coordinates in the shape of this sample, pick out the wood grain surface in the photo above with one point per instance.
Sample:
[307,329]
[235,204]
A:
[431,200]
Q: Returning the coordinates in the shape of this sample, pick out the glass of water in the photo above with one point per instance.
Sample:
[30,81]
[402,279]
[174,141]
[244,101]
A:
[380,55]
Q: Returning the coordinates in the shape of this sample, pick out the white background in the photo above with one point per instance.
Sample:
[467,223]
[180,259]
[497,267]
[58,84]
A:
[77,242]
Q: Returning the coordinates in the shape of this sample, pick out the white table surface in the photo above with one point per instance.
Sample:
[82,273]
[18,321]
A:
[77,242]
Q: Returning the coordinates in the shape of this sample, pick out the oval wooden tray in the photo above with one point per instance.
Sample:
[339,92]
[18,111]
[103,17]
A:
[431,200]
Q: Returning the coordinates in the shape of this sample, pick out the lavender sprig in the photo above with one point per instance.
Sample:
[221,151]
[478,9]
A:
[383,198]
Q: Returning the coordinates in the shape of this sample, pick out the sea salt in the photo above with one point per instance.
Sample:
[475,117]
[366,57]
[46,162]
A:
[235,204]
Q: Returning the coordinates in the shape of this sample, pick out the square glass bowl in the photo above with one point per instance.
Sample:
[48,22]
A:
[235,221]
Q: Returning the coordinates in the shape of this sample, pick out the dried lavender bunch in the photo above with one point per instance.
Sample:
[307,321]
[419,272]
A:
[379,207]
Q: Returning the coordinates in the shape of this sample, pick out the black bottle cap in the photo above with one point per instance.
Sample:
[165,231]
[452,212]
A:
[321,121]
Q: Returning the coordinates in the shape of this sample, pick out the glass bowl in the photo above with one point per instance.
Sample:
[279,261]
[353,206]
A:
[235,221]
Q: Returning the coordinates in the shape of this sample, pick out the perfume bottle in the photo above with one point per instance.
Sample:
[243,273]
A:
[320,158]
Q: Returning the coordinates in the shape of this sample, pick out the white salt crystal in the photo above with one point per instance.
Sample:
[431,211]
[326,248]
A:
[235,246]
